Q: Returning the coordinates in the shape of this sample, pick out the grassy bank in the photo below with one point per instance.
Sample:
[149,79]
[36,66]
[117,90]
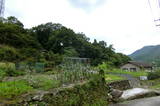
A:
[156,86]
[135,74]
[12,89]
[111,78]
[90,93]
[153,84]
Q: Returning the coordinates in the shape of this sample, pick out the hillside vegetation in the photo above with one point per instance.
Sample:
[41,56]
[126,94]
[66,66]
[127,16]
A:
[49,43]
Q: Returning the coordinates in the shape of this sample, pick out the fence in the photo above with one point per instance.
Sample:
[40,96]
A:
[31,67]
[68,72]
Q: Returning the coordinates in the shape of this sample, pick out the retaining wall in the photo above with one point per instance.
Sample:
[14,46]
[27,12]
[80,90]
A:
[121,85]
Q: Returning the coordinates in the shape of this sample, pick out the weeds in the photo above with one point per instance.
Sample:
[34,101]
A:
[110,78]
[13,88]
[43,82]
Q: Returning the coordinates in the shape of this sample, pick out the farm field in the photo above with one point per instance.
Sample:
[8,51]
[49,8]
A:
[14,83]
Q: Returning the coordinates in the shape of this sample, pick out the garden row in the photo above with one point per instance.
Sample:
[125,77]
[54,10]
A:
[23,81]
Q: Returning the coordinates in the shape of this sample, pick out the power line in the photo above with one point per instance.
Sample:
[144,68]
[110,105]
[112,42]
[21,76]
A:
[159,3]
[155,10]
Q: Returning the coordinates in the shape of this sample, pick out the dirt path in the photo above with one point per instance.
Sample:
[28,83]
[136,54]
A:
[153,101]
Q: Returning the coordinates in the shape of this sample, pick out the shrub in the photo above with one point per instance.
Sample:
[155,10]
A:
[8,53]
[9,69]
[154,75]
[2,74]
[105,65]
[53,59]
[7,65]
[29,53]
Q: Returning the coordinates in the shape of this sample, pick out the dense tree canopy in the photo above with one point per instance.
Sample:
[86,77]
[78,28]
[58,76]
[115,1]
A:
[50,41]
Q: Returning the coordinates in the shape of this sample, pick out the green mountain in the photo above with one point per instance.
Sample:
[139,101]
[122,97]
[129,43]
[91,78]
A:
[150,54]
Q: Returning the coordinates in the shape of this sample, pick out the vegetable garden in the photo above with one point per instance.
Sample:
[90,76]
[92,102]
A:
[35,77]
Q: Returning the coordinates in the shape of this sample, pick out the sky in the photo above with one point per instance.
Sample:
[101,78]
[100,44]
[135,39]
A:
[127,24]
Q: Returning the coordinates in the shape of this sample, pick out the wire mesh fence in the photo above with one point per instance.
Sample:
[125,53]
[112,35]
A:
[31,67]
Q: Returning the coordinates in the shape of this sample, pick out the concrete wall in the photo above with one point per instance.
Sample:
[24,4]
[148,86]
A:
[130,67]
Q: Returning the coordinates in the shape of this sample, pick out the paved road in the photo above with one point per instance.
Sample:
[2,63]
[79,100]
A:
[153,101]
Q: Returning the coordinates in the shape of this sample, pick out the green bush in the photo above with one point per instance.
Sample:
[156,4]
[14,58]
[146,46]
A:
[154,75]
[29,53]
[9,69]
[53,59]
[2,74]
[8,53]
[7,65]
[105,65]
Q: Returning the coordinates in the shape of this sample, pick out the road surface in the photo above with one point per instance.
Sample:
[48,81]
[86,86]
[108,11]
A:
[152,101]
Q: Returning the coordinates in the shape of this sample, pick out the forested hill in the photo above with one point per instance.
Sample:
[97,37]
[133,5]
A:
[149,54]
[51,42]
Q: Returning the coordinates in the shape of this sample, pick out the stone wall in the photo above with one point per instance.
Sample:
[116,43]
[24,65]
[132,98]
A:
[90,93]
[121,85]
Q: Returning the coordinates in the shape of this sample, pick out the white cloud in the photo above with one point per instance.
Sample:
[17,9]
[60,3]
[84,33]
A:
[127,24]
[87,5]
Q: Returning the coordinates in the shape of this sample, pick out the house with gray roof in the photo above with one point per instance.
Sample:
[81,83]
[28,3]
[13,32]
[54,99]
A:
[136,66]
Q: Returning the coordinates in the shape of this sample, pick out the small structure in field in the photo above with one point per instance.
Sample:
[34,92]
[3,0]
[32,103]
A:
[75,60]
[136,66]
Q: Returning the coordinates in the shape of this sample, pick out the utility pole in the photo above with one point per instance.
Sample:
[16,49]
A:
[2,6]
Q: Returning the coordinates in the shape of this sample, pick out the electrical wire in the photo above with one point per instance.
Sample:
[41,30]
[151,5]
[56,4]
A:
[155,19]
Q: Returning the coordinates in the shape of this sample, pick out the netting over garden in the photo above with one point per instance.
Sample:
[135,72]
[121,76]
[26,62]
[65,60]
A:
[75,69]
[73,60]
[31,67]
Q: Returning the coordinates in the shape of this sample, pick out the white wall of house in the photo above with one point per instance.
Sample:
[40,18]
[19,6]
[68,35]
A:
[130,67]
